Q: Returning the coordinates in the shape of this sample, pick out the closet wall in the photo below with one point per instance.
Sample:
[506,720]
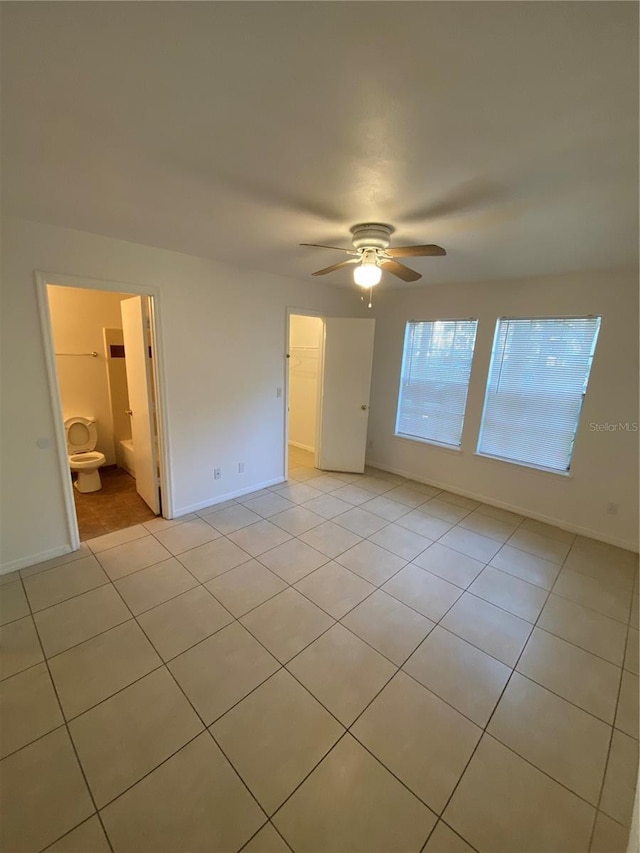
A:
[305,336]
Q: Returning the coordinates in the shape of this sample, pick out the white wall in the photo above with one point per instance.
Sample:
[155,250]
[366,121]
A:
[605,464]
[224,334]
[305,335]
[78,318]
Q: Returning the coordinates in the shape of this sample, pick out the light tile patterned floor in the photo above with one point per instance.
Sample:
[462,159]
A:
[308,669]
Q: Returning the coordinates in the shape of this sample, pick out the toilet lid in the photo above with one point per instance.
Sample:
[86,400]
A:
[81,433]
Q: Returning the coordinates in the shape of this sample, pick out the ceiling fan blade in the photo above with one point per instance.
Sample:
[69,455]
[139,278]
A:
[338,266]
[400,270]
[416,251]
[336,248]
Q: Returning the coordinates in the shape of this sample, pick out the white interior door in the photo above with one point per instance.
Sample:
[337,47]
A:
[346,384]
[137,360]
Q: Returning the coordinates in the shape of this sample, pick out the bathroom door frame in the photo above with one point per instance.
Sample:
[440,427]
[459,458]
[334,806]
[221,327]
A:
[302,312]
[43,279]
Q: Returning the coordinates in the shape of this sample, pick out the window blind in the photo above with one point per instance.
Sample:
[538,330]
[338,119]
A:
[537,381]
[436,365]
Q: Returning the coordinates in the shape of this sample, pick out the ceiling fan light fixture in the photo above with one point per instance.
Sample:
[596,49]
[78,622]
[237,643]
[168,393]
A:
[367,273]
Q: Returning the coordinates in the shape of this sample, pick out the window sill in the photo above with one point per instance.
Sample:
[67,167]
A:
[536,468]
[450,447]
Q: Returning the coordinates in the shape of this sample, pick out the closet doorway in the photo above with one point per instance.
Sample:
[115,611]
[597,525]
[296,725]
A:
[306,333]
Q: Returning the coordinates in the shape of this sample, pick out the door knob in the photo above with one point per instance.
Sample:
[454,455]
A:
[364,407]
[128,412]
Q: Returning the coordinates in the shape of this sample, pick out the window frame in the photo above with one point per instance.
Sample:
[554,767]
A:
[563,472]
[456,448]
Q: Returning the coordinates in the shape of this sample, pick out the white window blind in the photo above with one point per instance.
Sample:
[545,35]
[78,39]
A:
[537,381]
[435,378]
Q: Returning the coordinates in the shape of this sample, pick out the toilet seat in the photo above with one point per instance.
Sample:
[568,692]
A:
[81,435]
[88,459]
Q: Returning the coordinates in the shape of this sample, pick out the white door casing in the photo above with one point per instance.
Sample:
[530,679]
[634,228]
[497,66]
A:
[137,359]
[346,386]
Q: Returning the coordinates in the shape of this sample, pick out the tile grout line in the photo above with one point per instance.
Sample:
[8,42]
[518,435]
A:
[379,586]
[613,729]
[68,732]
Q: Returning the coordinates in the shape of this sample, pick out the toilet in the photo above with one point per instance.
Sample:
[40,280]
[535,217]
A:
[82,435]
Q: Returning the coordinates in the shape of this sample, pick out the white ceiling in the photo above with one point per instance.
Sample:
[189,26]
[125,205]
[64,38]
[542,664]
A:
[506,132]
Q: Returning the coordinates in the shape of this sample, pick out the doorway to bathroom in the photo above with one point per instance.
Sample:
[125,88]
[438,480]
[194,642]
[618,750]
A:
[104,382]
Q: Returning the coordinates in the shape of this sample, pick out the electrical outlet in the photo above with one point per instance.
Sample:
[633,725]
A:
[278,392]
[240,467]
[612,509]
[217,474]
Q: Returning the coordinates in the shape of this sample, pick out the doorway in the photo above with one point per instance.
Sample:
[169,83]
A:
[306,337]
[328,383]
[104,370]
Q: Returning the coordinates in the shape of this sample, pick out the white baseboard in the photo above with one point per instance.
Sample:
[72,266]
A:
[485,499]
[302,446]
[185,510]
[33,559]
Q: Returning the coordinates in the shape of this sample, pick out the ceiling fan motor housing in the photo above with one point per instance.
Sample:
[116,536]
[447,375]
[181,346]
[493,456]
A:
[371,235]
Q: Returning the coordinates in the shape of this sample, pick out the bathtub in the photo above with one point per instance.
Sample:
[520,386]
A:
[127,456]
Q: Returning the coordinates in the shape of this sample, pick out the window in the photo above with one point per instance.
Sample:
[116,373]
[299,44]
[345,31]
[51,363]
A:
[537,380]
[435,377]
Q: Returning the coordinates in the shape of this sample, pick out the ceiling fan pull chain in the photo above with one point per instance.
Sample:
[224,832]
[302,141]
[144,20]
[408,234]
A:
[370,297]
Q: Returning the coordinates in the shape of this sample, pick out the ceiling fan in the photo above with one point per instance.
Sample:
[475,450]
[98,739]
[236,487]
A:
[372,255]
